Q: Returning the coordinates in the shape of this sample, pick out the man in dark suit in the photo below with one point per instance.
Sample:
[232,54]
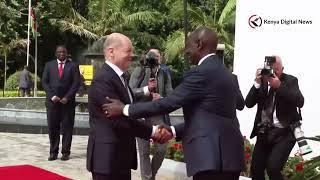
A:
[212,141]
[60,79]
[25,82]
[277,96]
[111,152]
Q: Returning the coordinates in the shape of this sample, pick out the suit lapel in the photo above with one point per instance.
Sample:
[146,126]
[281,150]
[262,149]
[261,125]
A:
[65,68]
[124,96]
[55,67]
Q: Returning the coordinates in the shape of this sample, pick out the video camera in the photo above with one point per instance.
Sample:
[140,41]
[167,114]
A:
[268,62]
[151,60]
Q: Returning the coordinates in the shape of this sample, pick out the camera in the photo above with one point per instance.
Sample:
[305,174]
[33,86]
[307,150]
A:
[151,60]
[304,148]
[268,62]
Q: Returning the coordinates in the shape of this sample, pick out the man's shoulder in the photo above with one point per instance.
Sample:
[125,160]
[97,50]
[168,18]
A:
[53,61]
[288,77]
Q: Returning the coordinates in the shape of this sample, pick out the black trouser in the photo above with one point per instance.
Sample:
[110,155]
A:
[271,154]
[60,114]
[212,175]
[118,176]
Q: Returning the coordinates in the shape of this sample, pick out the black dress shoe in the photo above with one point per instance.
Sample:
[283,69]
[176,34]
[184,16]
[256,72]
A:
[65,157]
[52,157]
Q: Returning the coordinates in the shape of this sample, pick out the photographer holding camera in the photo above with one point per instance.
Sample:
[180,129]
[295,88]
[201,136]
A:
[278,96]
[153,79]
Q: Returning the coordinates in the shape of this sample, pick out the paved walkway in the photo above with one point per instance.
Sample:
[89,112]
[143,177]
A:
[32,149]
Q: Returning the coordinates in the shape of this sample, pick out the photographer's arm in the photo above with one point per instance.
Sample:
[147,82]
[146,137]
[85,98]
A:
[290,92]
[253,95]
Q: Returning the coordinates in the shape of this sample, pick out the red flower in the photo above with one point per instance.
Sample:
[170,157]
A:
[179,146]
[299,167]
[248,149]
[175,146]
[247,156]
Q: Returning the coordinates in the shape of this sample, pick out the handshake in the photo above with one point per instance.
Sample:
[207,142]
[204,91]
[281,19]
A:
[162,134]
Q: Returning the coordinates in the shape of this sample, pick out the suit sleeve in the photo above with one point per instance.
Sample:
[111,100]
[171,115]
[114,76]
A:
[240,100]
[99,90]
[46,81]
[252,97]
[189,91]
[291,93]
[179,128]
[134,84]
[75,82]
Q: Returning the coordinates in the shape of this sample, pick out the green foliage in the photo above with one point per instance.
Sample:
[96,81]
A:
[13,81]
[16,93]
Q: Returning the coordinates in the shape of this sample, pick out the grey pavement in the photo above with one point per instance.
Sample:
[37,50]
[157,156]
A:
[32,149]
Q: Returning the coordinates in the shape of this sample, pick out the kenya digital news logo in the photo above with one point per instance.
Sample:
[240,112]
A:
[255,21]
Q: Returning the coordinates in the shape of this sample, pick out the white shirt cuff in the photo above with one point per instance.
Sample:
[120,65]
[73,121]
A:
[53,98]
[173,131]
[125,110]
[154,130]
[146,91]
[256,85]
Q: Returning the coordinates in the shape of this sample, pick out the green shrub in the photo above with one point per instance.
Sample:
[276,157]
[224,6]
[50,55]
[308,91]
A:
[13,81]
[15,93]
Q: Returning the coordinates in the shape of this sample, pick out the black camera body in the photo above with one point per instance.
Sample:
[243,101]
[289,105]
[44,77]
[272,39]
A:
[151,60]
[268,62]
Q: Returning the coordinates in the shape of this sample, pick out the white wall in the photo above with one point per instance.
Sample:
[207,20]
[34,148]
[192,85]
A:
[297,45]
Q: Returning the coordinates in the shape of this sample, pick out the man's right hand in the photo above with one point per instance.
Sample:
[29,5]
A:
[55,99]
[152,84]
[258,76]
[163,134]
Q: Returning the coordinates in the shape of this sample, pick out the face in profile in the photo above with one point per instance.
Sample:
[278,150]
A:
[191,51]
[123,54]
[61,53]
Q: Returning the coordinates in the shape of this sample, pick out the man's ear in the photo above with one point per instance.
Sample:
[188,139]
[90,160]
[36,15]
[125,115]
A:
[110,51]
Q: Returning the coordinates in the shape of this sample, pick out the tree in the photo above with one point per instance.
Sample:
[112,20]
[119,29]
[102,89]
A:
[12,30]
[221,18]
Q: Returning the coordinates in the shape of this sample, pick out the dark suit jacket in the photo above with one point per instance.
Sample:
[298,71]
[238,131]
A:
[111,145]
[240,100]
[288,98]
[210,135]
[66,86]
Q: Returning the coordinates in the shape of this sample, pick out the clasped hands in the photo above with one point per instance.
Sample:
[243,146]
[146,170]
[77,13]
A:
[114,108]
[163,134]
[57,99]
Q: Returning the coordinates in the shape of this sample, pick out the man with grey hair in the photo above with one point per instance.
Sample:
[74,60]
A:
[157,82]
[277,96]
[111,151]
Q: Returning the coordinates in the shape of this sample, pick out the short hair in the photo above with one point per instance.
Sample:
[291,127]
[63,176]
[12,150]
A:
[111,41]
[61,46]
